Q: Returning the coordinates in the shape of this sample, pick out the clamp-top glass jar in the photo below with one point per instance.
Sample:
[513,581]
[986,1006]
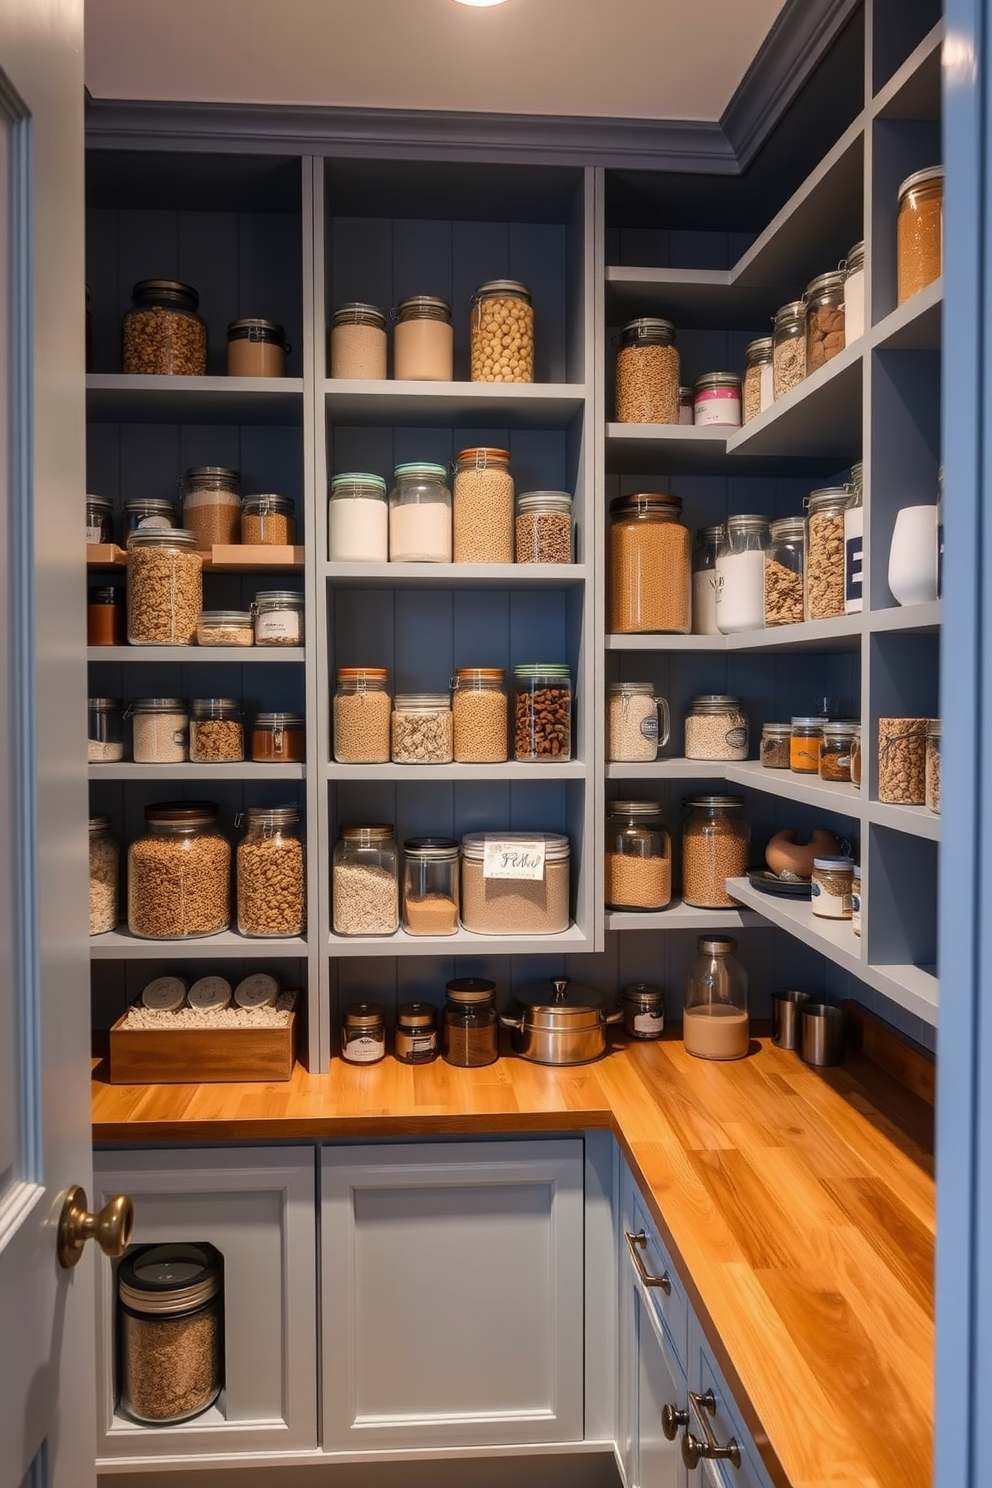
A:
[650,565]
[824,318]
[716,728]
[164,587]
[256,348]
[278,617]
[825,513]
[358,519]
[365,881]
[638,857]
[430,886]
[420,514]
[480,715]
[216,731]
[759,389]
[469,1023]
[272,883]
[784,564]
[268,520]
[715,841]
[163,336]
[421,729]
[648,372]
[362,710]
[279,738]
[212,505]
[740,574]
[423,341]
[544,527]
[358,342]
[919,231]
[854,293]
[179,873]
[502,332]
[715,1022]
[789,348]
[482,507]
[148,511]
[717,401]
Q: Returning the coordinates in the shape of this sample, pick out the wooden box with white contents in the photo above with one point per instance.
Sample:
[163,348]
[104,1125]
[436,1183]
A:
[187,1047]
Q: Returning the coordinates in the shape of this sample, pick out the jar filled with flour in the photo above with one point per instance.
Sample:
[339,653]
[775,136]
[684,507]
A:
[740,575]
[420,515]
[638,722]
[358,519]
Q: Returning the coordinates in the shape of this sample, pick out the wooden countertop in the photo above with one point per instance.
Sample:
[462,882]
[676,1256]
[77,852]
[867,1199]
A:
[798,1206]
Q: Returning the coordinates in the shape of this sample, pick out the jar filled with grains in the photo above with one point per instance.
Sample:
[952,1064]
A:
[225,628]
[480,715]
[806,742]
[789,348]
[714,848]
[416,1039]
[542,713]
[638,857]
[256,348]
[430,886]
[469,1023]
[482,507]
[835,752]
[740,574]
[650,565]
[358,519]
[99,519]
[419,515]
[856,758]
[216,731]
[704,585]
[824,319]
[179,873]
[854,293]
[212,505]
[759,391]
[358,342]
[648,371]
[825,552]
[421,729]
[544,527]
[716,728]
[162,333]
[516,906]
[365,882]
[105,867]
[775,750]
[106,617]
[423,341]
[272,883]
[919,231]
[268,521]
[362,710]
[854,546]
[902,754]
[164,587]
[171,1331]
[932,792]
[502,332]
[717,401]
[637,724]
[104,731]
[278,617]
[161,731]
[831,883]
[148,511]
[279,738]
[784,561]
[363,1033]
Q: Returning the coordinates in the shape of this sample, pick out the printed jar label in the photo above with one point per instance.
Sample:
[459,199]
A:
[279,625]
[718,406]
[737,737]
[649,727]
[502,859]
[151,522]
[363,1050]
[652,1024]
[853,560]
[829,906]
[94,534]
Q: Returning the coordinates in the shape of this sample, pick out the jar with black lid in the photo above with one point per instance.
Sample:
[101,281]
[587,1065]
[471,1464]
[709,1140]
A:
[416,1033]
[162,333]
[256,348]
[430,886]
[643,1011]
[423,341]
[148,511]
[170,1307]
[212,505]
[99,519]
[106,617]
[469,1023]
[358,342]
[363,1033]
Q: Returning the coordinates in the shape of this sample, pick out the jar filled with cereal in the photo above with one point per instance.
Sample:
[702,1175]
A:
[162,333]
[482,507]
[825,558]
[421,729]
[104,876]
[648,371]
[271,872]
[714,848]
[179,873]
[789,348]
[502,332]
[362,709]
[784,562]
[164,587]
[759,392]
[824,319]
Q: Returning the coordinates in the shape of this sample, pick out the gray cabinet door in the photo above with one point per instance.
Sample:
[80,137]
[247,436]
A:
[452,1294]
[660,1382]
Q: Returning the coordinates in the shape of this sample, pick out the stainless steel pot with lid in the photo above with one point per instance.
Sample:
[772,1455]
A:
[559,1024]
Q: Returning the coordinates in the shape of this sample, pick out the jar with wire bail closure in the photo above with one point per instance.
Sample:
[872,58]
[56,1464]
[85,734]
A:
[788,348]
[759,388]
[482,507]
[278,617]
[423,340]
[170,1311]
[358,519]
[430,886]
[647,373]
[212,505]
[825,337]
[256,348]
[420,514]
[268,520]
[179,873]
[162,333]
[638,857]
[271,872]
[358,342]
[650,565]
[164,587]
[480,715]
[502,332]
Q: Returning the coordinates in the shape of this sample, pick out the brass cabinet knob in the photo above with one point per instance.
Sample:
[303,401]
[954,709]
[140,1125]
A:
[111,1228]
[672,1421]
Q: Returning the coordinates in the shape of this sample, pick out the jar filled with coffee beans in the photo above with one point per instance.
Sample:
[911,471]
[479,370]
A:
[164,587]
[502,332]
[162,333]
[179,873]
[648,372]
[469,1023]
[542,713]
[714,848]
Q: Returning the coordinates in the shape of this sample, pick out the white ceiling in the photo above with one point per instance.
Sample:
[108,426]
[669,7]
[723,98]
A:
[641,59]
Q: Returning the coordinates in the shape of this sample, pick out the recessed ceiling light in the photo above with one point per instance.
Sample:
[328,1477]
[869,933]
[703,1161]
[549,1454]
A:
[481,2]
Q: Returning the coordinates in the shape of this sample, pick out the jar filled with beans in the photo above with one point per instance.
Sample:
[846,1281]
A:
[825,552]
[421,729]
[164,587]
[648,372]
[162,333]
[362,710]
[759,392]
[716,728]
[358,342]
[480,715]
[650,565]
[919,231]
[502,332]
[784,561]
[542,713]
[268,520]
[212,505]
[715,841]
[824,319]
[216,731]
[179,873]
[789,348]
[482,507]
[638,857]
[544,527]
[271,868]
[256,348]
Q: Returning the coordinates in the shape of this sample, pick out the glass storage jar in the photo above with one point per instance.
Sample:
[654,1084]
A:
[902,757]
[759,388]
[854,547]
[171,1331]
[704,553]
[430,886]
[789,348]
[148,511]
[421,729]
[164,587]
[643,1011]
[856,898]
[854,293]
[806,742]
[919,231]
[160,729]
[502,332]
[482,507]
[824,318]
[416,1033]
[544,527]
[775,750]
[363,1033]
[638,723]
[278,617]
[216,731]
[225,628]
[212,505]
[268,520]
[542,728]
[856,757]
[835,751]
[272,879]
[687,406]
[105,869]
[717,401]
[650,565]
[715,841]
[179,873]
[647,373]
[279,738]
[358,342]
[366,882]
[99,519]
[419,515]
[784,562]
[740,574]
[105,731]
[715,1022]
[469,1023]
[162,333]
[638,857]
[480,715]
[932,787]
[516,906]
[831,883]
[423,341]
[362,711]
[106,617]
[716,728]
[825,552]
[256,348]
[358,519]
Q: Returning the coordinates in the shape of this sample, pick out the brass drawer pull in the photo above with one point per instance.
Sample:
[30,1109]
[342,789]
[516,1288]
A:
[637,1243]
[672,1421]
[692,1448]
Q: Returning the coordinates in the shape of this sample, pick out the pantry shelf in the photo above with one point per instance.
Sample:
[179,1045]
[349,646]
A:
[917,820]
[679,916]
[656,642]
[679,449]
[921,618]
[667,769]
[248,770]
[822,417]
[841,634]
[114,398]
[703,299]
[456,575]
[169,655]
[507,770]
[121,945]
[482,405]
[462,943]
[914,326]
[226,557]
[913,92]
[811,791]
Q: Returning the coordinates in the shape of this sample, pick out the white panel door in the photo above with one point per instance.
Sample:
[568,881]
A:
[46,1317]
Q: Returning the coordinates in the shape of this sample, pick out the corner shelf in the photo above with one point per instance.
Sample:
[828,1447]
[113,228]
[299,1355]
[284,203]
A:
[842,634]
[679,916]
[827,795]
[821,417]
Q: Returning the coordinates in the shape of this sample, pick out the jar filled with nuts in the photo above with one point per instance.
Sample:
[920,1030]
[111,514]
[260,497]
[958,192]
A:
[648,372]
[423,341]
[216,731]
[480,715]
[784,558]
[421,729]
[365,882]
[362,709]
[272,894]
[789,348]
[714,848]
[716,728]
[825,552]
[902,753]
[543,713]
[824,319]
[163,335]
[179,873]
[638,857]
[759,391]
[502,332]
[104,876]
[482,507]
[544,527]
[164,587]
[212,505]
[919,231]
[268,520]
[358,342]
[650,565]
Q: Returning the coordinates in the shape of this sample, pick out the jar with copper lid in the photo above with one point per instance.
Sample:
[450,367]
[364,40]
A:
[363,1033]
[256,348]
[919,231]
[480,715]
[423,341]
[362,711]
[162,333]
[824,319]
[358,342]
[482,507]
[469,1023]
[416,1033]
[648,371]
[650,565]
[502,332]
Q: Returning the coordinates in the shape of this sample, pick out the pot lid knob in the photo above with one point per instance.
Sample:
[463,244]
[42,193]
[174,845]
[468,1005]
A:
[560,985]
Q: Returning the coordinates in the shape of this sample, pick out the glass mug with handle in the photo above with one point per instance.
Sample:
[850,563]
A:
[638,722]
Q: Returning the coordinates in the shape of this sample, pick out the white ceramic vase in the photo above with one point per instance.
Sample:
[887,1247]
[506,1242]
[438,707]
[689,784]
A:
[913,555]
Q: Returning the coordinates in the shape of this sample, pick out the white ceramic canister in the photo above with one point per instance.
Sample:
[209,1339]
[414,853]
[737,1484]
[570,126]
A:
[913,555]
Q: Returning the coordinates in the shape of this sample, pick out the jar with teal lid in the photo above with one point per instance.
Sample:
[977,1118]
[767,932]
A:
[542,712]
[358,519]
[420,514]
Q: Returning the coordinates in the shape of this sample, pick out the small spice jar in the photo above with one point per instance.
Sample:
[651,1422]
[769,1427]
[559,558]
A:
[430,886]
[789,348]
[105,731]
[717,401]
[835,751]
[638,723]
[179,873]
[643,1011]
[902,751]
[650,565]
[543,530]
[687,406]
[421,729]
[831,884]
[358,519]
[416,1033]
[825,511]
[856,757]
[363,1033]
[716,728]
[932,790]
[824,319]
[99,519]
[164,587]
[271,872]
[365,881]
[784,562]
[469,1023]
[256,348]
[358,342]
[523,905]
[502,332]
[362,710]
[856,899]
[419,515]
[170,1310]
[105,868]
[805,744]
[480,715]
[148,511]
[715,841]
[212,505]
[740,574]
[216,731]
[715,1023]
[482,507]
[919,231]
[648,371]
[162,333]
[854,292]
[704,581]
[759,387]
[106,617]
[774,752]
[854,545]
[160,728]
[278,617]
[279,738]
[423,341]
[268,521]
[638,857]
[225,628]
[542,713]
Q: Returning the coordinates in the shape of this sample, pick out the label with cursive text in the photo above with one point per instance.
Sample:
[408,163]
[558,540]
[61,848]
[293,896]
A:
[516,859]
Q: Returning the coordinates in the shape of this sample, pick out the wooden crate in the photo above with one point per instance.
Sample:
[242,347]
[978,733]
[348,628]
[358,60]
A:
[192,1056]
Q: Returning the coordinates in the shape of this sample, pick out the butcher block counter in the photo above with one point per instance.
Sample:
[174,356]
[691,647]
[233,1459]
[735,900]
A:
[798,1205]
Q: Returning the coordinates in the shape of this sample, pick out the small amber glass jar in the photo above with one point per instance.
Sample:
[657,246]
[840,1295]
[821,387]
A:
[279,738]
[806,741]
[106,617]
[835,753]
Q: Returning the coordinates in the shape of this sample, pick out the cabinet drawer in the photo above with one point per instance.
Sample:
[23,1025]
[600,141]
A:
[670,1303]
[725,1422]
